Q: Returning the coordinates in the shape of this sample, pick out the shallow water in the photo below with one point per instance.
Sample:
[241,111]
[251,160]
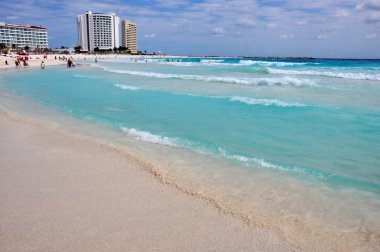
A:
[291,145]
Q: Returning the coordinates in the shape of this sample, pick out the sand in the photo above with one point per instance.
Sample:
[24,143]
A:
[61,193]
[36,60]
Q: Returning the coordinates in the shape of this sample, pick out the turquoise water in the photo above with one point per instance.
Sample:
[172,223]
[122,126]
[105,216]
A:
[313,121]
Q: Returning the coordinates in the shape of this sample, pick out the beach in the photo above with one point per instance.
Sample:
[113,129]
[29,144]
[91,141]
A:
[195,154]
[65,194]
[54,59]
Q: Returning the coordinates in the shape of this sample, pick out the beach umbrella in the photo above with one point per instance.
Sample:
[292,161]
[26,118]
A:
[22,53]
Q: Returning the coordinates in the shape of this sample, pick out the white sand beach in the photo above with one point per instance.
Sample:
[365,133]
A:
[53,59]
[60,193]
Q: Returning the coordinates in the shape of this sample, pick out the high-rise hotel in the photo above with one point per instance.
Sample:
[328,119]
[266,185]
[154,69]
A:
[98,30]
[20,36]
[128,35]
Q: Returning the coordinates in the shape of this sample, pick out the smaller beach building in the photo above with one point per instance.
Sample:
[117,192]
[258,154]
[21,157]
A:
[128,35]
[19,36]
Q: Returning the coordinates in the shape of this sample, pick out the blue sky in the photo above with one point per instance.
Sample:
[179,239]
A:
[325,28]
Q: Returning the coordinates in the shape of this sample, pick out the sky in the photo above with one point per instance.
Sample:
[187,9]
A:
[324,28]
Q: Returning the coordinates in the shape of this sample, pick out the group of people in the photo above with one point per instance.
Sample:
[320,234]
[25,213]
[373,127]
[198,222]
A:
[21,61]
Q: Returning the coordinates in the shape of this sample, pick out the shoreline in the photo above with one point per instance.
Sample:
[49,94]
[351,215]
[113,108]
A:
[290,228]
[64,191]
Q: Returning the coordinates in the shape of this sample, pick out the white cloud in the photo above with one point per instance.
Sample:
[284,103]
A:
[172,3]
[246,22]
[12,17]
[322,36]
[371,36]
[287,36]
[301,22]
[369,5]
[374,17]
[218,31]
[341,13]
[151,35]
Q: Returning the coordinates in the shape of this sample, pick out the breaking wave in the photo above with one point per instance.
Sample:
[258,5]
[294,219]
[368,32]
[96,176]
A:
[347,75]
[127,87]
[146,136]
[84,76]
[266,102]
[272,63]
[287,81]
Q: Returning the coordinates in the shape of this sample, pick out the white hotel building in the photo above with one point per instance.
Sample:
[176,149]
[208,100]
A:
[98,30]
[23,35]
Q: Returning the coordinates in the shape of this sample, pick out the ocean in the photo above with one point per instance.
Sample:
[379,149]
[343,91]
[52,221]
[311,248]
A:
[289,145]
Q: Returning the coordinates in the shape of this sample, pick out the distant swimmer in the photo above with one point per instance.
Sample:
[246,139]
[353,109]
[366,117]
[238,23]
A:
[42,65]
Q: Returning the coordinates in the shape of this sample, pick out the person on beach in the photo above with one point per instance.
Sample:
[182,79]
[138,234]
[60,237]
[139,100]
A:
[42,65]
[6,62]
[69,63]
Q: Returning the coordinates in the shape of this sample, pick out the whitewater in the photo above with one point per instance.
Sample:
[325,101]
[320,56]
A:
[289,145]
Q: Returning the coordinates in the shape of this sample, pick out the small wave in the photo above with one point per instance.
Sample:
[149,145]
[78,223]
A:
[211,60]
[248,161]
[235,80]
[252,101]
[266,102]
[115,109]
[146,136]
[84,76]
[356,76]
[127,87]
[271,63]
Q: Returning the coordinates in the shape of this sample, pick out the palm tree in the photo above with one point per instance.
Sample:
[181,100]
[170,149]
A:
[77,49]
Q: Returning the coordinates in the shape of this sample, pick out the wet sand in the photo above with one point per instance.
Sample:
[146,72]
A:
[59,193]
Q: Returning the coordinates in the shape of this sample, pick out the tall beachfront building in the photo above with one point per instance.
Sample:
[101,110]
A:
[98,30]
[20,36]
[128,35]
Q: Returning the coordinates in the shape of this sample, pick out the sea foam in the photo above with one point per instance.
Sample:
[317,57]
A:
[286,81]
[271,63]
[346,75]
[127,87]
[266,102]
[149,137]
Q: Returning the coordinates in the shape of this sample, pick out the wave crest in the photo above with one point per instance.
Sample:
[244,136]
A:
[271,63]
[356,76]
[266,102]
[127,87]
[149,137]
[286,81]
